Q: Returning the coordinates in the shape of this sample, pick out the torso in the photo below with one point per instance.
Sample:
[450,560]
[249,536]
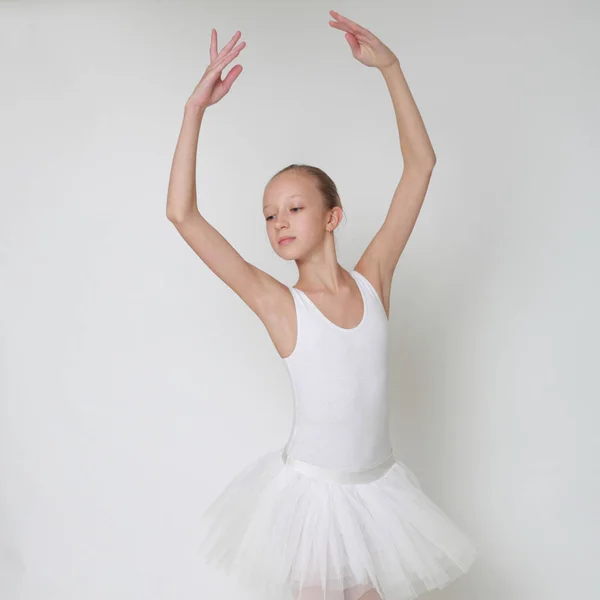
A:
[344,311]
[339,382]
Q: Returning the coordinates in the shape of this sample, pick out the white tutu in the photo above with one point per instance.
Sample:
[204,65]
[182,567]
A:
[288,535]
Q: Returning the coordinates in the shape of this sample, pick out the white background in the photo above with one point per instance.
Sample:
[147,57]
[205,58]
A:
[134,384]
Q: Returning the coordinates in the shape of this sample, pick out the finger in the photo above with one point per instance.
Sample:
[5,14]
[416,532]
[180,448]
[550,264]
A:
[353,42]
[230,43]
[349,29]
[339,17]
[355,27]
[232,76]
[224,59]
[213,45]
[226,55]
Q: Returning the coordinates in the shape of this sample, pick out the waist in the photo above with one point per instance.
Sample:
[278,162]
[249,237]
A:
[339,476]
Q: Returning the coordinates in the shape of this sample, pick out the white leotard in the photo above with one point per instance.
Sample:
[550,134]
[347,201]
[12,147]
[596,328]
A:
[339,382]
[332,514]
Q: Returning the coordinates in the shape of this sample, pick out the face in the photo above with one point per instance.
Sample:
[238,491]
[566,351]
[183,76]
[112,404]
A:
[293,207]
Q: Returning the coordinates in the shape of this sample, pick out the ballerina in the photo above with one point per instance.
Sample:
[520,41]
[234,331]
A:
[334,514]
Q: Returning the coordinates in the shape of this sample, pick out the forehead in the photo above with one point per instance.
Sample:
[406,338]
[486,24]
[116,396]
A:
[288,186]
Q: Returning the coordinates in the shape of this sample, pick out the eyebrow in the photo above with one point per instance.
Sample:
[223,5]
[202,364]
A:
[293,196]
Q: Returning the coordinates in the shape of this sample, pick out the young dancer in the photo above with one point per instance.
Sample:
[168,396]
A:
[333,515]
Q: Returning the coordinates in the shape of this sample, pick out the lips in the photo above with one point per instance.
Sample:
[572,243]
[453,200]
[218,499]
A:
[286,239]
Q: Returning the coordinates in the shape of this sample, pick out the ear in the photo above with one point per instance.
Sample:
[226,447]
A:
[335,218]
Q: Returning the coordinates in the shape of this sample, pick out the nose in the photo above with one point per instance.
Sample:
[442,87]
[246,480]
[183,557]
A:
[280,223]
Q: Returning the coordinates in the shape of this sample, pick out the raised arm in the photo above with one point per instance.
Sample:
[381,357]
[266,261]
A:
[249,282]
[381,256]
[384,250]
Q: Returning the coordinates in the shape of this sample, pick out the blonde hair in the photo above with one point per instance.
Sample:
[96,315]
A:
[325,184]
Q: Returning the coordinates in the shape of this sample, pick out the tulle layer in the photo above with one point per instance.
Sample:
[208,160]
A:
[288,536]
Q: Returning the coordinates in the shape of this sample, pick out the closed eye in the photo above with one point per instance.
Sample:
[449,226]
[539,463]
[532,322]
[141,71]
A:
[295,208]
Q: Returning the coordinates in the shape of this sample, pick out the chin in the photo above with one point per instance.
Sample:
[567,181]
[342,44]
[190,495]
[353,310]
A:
[289,255]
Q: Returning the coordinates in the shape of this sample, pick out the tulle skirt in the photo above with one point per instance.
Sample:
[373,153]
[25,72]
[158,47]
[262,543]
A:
[289,533]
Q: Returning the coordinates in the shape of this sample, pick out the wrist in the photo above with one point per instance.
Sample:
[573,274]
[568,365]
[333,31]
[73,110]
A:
[194,108]
[390,68]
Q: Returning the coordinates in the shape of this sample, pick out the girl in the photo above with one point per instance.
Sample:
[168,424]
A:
[333,515]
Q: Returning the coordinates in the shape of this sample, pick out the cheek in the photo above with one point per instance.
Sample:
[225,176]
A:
[309,225]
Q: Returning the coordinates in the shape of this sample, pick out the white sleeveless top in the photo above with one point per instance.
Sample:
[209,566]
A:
[339,383]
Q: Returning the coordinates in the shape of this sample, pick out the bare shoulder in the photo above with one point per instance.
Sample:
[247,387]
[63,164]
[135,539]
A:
[371,271]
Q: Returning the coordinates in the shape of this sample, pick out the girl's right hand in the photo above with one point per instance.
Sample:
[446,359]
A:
[211,89]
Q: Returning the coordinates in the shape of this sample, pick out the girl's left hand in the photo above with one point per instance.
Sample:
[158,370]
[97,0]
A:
[366,48]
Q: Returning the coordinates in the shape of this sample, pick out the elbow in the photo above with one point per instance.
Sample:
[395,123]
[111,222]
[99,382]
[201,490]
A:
[429,163]
[422,164]
[178,216]
[175,219]
[173,214]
